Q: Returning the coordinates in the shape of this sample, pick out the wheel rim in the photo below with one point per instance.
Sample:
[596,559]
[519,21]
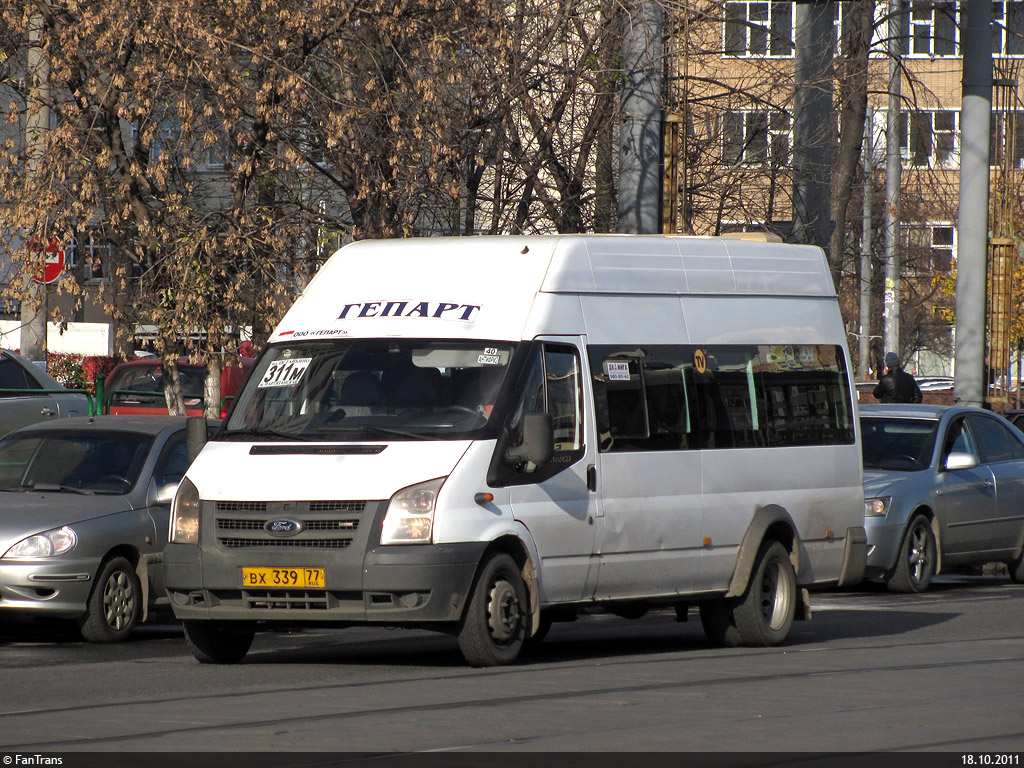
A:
[119,600]
[919,555]
[774,597]
[503,612]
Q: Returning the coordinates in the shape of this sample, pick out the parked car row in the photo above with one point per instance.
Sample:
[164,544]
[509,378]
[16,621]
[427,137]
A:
[944,488]
[84,507]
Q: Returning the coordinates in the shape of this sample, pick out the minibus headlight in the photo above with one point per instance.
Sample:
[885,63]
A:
[877,507]
[410,515]
[185,514]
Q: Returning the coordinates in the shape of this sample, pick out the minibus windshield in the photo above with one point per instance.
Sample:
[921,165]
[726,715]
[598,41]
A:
[371,389]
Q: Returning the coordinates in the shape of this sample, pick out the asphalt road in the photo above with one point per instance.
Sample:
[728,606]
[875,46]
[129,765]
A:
[871,671]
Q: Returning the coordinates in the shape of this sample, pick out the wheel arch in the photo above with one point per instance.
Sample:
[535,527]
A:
[138,562]
[770,522]
[518,550]
[928,513]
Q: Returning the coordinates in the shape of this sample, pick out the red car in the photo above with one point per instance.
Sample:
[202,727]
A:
[137,386]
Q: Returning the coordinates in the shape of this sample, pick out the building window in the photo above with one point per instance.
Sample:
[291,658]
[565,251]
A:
[930,139]
[1006,144]
[932,29]
[1008,28]
[756,138]
[931,249]
[759,29]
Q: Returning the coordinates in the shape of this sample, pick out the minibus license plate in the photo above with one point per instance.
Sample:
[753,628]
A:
[282,578]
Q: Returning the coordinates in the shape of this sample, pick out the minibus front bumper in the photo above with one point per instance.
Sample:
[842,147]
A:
[394,585]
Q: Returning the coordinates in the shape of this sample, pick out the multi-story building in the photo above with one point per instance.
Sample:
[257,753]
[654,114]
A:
[732,89]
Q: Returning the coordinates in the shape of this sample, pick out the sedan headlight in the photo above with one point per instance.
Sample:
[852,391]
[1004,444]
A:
[185,514]
[877,507]
[410,515]
[46,544]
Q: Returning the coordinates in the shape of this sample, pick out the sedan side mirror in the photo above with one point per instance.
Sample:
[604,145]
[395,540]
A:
[960,460]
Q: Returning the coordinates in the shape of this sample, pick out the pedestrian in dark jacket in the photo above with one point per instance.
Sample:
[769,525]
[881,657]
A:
[896,385]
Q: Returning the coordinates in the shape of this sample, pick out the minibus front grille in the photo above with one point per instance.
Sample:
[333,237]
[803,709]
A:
[310,525]
[321,524]
[241,506]
[337,506]
[287,600]
[234,543]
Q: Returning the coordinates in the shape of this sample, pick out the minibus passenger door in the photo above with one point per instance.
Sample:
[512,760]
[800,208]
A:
[553,500]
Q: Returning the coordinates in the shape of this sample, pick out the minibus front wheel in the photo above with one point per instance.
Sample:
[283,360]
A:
[494,625]
[219,642]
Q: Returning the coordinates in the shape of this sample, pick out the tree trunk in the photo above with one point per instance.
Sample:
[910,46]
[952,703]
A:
[853,98]
[172,384]
[211,387]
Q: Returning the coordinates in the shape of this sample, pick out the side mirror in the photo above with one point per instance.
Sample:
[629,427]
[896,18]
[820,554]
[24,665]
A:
[961,461]
[161,493]
[538,440]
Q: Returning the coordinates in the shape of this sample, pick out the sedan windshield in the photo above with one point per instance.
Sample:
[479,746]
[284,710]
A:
[371,389]
[93,463]
[903,445]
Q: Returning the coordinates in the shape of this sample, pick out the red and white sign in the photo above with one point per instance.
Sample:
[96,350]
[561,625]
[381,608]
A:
[54,260]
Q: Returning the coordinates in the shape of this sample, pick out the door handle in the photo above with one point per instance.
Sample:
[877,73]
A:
[46,411]
[592,478]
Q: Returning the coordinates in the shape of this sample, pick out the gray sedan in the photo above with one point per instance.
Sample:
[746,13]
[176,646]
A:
[944,488]
[28,394]
[84,507]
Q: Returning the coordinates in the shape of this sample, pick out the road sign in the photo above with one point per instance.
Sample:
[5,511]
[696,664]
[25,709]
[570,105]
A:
[53,264]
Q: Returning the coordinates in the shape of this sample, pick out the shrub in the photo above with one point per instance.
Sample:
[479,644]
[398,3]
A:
[68,370]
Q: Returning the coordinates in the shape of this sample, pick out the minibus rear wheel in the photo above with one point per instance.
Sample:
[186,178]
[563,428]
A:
[764,615]
[494,625]
[219,642]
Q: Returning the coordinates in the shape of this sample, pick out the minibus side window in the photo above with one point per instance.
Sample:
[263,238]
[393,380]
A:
[730,412]
[664,397]
[549,384]
[806,394]
[643,397]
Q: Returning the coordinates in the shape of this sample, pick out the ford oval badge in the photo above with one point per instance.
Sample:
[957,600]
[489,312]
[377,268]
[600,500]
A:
[283,527]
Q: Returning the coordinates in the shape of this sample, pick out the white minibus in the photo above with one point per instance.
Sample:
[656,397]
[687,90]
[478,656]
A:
[484,435]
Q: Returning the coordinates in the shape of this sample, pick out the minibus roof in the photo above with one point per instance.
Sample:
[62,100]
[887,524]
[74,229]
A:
[484,287]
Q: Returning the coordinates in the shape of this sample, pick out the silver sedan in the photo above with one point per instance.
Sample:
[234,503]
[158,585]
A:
[944,488]
[84,507]
[28,394]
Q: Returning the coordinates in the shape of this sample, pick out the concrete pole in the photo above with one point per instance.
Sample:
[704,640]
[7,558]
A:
[33,305]
[812,122]
[640,182]
[972,221]
[893,174]
[864,334]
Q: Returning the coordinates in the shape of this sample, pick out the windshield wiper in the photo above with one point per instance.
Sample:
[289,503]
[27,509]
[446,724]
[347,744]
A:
[49,487]
[373,430]
[262,432]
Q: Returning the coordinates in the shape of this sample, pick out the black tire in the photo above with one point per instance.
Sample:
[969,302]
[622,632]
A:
[719,625]
[495,622]
[915,564]
[114,605]
[1016,569]
[764,615]
[542,630]
[219,642]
